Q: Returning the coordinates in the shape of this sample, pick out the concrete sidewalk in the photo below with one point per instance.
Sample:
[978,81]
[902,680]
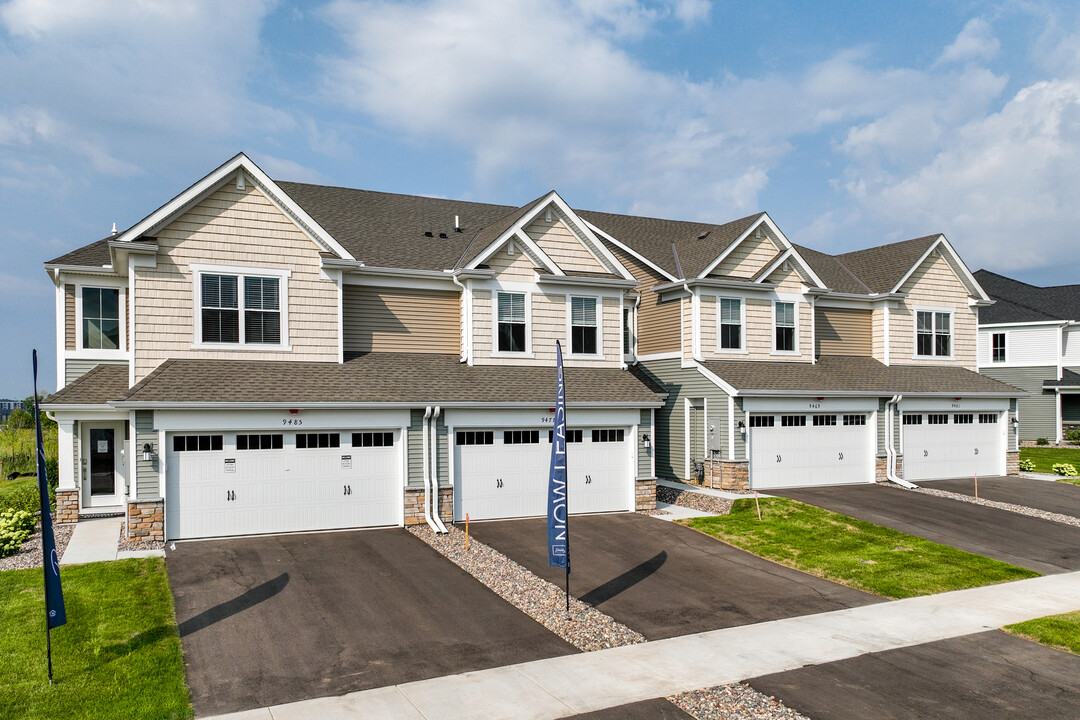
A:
[570,685]
[96,541]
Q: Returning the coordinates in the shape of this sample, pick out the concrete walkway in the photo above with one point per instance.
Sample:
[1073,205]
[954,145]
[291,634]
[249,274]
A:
[574,684]
[96,541]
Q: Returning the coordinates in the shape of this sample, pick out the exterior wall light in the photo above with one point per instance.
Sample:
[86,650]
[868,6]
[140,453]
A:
[147,452]
[1015,424]
[646,441]
[742,428]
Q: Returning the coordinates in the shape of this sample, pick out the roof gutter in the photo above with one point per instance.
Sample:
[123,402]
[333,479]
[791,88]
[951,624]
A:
[286,405]
[582,280]
[714,283]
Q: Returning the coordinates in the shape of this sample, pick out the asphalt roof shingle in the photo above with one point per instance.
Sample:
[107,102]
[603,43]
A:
[1068,379]
[881,268]
[96,387]
[1019,302]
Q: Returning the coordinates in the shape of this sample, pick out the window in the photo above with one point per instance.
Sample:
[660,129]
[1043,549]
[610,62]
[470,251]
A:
[572,436]
[241,306]
[521,437]
[963,419]
[197,443]
[761,420]
[824,420]
[602,436]
[373,439]
[933,333]
[912,419]
[511,322]
[478,437]
[784,313]
[101,318]
[793,421]
[942,419]
[273,441]
[997,347]
[861,419]
[987,418]
[583,326]
[306,441]
[730,324]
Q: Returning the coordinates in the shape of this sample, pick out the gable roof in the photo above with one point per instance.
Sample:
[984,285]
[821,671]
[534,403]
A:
[96,254]
[1019,302]
[882,268]
[832,271]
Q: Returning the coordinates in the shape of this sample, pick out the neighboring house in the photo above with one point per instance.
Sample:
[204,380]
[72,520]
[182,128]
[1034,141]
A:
[260,356]
[1030,338]
[6,406]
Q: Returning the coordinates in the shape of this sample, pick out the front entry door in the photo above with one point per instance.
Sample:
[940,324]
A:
[102,466]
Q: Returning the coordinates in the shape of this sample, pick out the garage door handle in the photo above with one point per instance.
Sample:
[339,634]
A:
[498,482]
[976,451]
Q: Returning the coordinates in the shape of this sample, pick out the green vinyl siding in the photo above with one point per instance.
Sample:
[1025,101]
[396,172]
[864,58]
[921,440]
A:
[1038,411]
[147,472]
[416,450]
[644,454]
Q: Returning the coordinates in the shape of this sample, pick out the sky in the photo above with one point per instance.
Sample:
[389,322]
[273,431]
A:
[851,123]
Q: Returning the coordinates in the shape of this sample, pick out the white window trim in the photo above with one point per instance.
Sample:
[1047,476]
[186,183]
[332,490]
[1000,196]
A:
[788,353]
[495,352]
[95,353]
[1005,335]
[599,354]
[198,270]
[951,312]
[742,324]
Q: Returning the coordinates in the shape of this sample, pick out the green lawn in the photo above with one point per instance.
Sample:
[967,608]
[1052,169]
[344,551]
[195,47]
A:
[1058,631]
[1045,457]
[10,487]
[852,552]
[118,656]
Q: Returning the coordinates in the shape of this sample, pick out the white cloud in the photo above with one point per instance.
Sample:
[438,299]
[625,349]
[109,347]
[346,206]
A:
[975,42]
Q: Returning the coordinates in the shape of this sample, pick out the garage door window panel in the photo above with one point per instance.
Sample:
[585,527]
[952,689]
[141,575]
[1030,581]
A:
[987,418]
[963,419]
[271,441]
[198,443]
[762,421]
[521,437]
[856,420]
[604,435]
[572,436]
[937,419]
[475,437]
[373,439]
[824,420]
[793,421]
[305,441]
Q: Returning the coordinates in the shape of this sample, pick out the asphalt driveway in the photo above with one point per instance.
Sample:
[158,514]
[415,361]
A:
[270,620]
[988,676]
[1039,545]
[1046,495]
[664,580]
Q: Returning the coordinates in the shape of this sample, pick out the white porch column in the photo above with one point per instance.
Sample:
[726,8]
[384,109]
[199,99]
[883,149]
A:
[66,455]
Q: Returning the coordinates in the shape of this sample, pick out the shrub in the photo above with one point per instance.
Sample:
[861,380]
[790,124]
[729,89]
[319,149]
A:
[1073,436]
[16,526]
[1042,441]
[23,498]
[1066,469]
[1027,465]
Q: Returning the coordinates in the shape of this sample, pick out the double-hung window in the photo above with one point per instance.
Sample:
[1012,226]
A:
[583,326]
[100,318]
[730,324]
[511,312]
[241,307]
[997,349]
[784,314]
[933,333]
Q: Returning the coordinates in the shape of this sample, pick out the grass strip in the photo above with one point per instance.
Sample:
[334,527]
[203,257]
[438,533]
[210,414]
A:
[1056,631]
[1045,457]
[853,552]
[118,656]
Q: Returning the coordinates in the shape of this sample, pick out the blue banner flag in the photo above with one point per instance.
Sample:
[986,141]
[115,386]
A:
[558,532]
[54,596]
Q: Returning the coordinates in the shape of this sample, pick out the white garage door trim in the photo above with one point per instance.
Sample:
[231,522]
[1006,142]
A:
[952,449]
[282,487]
[832,448]
[495,480]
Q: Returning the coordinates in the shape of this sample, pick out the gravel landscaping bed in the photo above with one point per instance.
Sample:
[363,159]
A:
[737,701]
[29,555]
[586,628]
[1010,507]
[693,500]
[125,545]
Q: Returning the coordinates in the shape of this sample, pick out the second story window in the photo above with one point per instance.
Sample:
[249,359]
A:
[933,333]
[240,309]
[583,330]
[511,322]
[997,349]
[220,313]
[730,324]
[785,326]
[262,316]
[101,318]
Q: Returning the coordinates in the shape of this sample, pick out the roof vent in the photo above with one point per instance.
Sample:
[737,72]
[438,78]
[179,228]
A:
[757,233]
[114,228]
[703,235]
[442,235]
[457,224]
[428,233]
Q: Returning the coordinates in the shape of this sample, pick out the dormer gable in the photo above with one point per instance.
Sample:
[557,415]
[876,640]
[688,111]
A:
[756,253]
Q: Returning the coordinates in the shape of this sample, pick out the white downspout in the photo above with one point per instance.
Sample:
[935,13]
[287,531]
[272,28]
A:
[427,471]
[890,449]
[466,297]
[433,496]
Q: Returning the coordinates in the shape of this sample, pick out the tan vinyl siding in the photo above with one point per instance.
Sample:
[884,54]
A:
[562,246]
[657,323]
[237,228]
[760,335]
[686,306]
[69,317]
[877,334]
[841,331]
[519,267]
[75,368]
[147,485]
[934,284]
[708,305]
[787,281]
[386,320]
[748,258]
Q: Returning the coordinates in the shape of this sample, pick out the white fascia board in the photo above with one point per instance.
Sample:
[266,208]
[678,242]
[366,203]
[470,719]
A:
[585,282]
[138,405]
[718,381]
[629,251]
[728,250]
[871,393]
[1021,325]
[592,244]
[55,270]
[211,182]
[771,268]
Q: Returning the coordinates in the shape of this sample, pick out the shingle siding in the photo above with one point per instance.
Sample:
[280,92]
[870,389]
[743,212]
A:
[933,284]
[562,246]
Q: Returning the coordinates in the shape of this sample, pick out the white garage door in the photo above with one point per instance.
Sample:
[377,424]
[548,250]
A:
[504,473]
[950,445]
[801,450]
[248,483]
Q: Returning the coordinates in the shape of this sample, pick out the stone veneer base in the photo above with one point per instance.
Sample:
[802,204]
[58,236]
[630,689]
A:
[67,507]
[146,520]
[645,494]
[414,506]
